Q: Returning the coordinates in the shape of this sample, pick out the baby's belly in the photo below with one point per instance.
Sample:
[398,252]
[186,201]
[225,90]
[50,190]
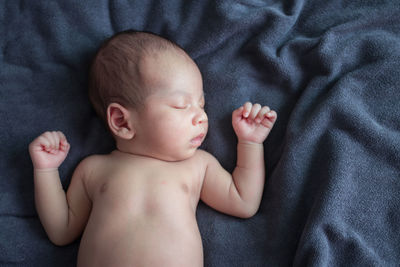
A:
[117,237]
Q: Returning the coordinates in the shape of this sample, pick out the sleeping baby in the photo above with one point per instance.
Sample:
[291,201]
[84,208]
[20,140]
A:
[137,205]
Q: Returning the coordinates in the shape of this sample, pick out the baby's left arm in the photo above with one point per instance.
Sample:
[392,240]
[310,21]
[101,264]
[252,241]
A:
[240,194]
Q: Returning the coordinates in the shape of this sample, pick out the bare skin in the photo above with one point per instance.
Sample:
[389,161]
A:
[143,206]
[136,206]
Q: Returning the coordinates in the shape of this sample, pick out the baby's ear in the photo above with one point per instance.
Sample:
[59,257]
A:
[120,121]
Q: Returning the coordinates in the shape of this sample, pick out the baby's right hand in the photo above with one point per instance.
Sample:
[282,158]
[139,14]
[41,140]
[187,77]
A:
[49,150]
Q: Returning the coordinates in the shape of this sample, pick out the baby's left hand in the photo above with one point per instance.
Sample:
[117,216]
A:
[252,123]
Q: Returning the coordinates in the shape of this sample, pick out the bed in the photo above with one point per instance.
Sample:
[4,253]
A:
[329,68]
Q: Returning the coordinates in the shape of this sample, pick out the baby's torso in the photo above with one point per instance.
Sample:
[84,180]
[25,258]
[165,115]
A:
[143,213]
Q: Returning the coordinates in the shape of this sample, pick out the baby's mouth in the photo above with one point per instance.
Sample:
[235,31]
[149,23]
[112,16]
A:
[197,140]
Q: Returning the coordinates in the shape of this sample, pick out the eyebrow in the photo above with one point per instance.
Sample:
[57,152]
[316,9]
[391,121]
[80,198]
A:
[180,92]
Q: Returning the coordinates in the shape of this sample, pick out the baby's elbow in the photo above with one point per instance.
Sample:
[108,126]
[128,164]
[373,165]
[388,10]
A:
[247,212]
[59,240]
[248,215]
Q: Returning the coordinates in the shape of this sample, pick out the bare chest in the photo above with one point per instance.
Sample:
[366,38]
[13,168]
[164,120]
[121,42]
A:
[148,189]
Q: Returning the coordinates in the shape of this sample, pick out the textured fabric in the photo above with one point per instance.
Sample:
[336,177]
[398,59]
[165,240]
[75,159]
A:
[329,68]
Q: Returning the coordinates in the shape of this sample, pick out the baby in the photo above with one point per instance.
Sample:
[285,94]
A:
[137,205]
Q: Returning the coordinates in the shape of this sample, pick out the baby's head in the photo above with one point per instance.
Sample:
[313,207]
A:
[118,73]
[136,75]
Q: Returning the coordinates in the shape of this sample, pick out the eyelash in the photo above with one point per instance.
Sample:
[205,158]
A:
[181,107]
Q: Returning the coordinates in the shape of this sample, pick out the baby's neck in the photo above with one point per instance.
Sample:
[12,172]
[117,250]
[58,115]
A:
[131,154]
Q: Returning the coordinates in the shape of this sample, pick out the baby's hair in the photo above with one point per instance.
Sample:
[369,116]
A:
[115,74]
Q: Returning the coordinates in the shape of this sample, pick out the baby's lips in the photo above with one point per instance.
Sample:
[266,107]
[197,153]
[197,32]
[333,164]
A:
[198,140]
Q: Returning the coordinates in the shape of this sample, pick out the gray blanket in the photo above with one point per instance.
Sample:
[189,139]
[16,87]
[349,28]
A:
[329,68]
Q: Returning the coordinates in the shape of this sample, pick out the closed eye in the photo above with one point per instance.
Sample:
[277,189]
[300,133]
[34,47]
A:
[181,106]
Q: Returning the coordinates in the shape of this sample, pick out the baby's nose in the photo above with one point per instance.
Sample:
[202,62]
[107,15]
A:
[200,118]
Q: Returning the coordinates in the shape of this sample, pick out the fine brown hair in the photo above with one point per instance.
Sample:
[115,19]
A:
[115,74]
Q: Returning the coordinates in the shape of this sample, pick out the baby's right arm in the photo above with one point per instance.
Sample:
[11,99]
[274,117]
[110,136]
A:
[63,215]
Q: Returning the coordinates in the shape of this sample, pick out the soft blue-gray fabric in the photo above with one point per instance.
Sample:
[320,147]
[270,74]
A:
[329,68]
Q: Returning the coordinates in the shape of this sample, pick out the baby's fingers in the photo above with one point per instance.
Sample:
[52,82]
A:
[60,141]
[262,113]
[269,119]
[52,142]
[272,116]
[254,111]
[64,145]
[40,143]
[247,109]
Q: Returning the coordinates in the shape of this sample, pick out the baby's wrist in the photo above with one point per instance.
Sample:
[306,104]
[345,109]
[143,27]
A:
[45,170]
[247,142]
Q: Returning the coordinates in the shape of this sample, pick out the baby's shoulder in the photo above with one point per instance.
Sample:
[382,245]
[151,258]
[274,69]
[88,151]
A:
[93,160]
[91,163]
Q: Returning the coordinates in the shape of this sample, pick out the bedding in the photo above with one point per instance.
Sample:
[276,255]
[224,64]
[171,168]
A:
[329,68]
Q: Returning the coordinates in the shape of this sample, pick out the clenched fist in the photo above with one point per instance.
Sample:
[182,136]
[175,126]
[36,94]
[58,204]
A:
[49,150]
[252,123]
